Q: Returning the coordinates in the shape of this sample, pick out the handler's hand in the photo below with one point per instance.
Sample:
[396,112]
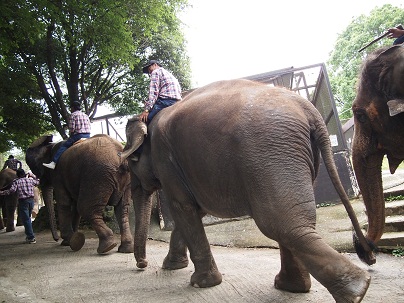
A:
[395,32]
[143,116]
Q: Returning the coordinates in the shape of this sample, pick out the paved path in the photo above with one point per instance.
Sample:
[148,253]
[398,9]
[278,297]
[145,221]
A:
[48,273]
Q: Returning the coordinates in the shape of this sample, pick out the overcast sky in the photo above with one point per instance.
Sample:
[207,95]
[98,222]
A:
[232,39]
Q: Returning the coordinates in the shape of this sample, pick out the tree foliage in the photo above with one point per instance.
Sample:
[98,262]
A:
[345,60]
[53,52]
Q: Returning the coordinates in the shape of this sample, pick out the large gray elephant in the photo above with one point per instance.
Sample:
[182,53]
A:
[8,204]
[88,177]
[378,129]
[235,148]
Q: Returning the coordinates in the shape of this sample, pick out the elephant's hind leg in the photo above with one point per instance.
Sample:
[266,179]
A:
[344,280]
[105,235]
[293,276]
[177,257]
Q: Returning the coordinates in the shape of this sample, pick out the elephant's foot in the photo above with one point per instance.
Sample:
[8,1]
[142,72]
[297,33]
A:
[171,262]
[206,279]
[142,263]
[65,243]
[297,284]
[77,241]
[126,247]
[10,229]
[106,245]
[352,290]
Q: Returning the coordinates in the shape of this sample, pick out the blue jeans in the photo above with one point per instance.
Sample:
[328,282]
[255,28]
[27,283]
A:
[158,106]
[25,207]
[69,142]
[399,40]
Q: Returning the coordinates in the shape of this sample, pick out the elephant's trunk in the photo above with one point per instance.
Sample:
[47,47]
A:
[366,169]
[47,194]
[143,205]
[135,132]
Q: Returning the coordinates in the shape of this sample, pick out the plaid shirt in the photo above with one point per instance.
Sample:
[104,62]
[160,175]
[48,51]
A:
[13,164]
[24,187]
[79,123]
[162,85]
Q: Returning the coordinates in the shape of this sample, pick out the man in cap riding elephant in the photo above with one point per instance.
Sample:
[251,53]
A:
[164,90]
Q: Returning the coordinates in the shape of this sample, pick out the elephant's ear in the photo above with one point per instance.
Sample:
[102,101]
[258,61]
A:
[43,140]
[396,106]
[135,132]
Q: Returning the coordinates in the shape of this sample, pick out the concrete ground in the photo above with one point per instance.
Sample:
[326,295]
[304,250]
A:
[46,272]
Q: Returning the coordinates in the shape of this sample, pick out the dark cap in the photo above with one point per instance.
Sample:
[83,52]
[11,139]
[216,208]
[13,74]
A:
[151,62]
[20,173]
[75,105]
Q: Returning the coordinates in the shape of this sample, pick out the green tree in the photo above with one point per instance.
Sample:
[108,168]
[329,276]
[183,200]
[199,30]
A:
[55,52]
[344,63]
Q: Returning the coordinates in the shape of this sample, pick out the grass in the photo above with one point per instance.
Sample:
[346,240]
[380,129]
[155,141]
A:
[398,252]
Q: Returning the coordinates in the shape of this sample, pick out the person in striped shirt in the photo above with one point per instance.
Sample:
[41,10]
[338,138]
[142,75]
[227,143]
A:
[24,186]
[164,90]
[79,127]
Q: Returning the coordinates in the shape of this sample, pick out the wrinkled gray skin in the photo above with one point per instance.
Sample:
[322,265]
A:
[88,177]
[8,203]
[236,148]
[379,129]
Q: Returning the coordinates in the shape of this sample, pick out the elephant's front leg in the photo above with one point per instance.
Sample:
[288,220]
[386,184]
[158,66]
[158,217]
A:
[188,222]
[293,276]
[142,203]
[177,257]
[65,223]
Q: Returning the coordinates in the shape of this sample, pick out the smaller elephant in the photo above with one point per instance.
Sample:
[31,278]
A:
[7,203]
[88,177]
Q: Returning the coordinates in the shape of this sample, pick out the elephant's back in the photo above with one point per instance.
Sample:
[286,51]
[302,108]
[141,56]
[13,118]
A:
[239,110]
[235,140]
[95,153]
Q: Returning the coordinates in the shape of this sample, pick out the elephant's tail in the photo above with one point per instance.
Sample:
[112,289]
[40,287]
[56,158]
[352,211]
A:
[364,247]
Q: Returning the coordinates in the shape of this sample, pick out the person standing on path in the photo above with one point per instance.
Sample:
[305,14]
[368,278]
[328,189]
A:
[24,186]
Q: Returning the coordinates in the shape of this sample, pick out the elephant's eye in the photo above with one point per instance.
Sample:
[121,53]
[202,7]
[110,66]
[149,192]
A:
[360,116]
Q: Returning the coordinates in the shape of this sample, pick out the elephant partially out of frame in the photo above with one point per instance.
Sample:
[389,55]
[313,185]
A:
[235,148]
[8,204]
[88,177]
[378,111]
